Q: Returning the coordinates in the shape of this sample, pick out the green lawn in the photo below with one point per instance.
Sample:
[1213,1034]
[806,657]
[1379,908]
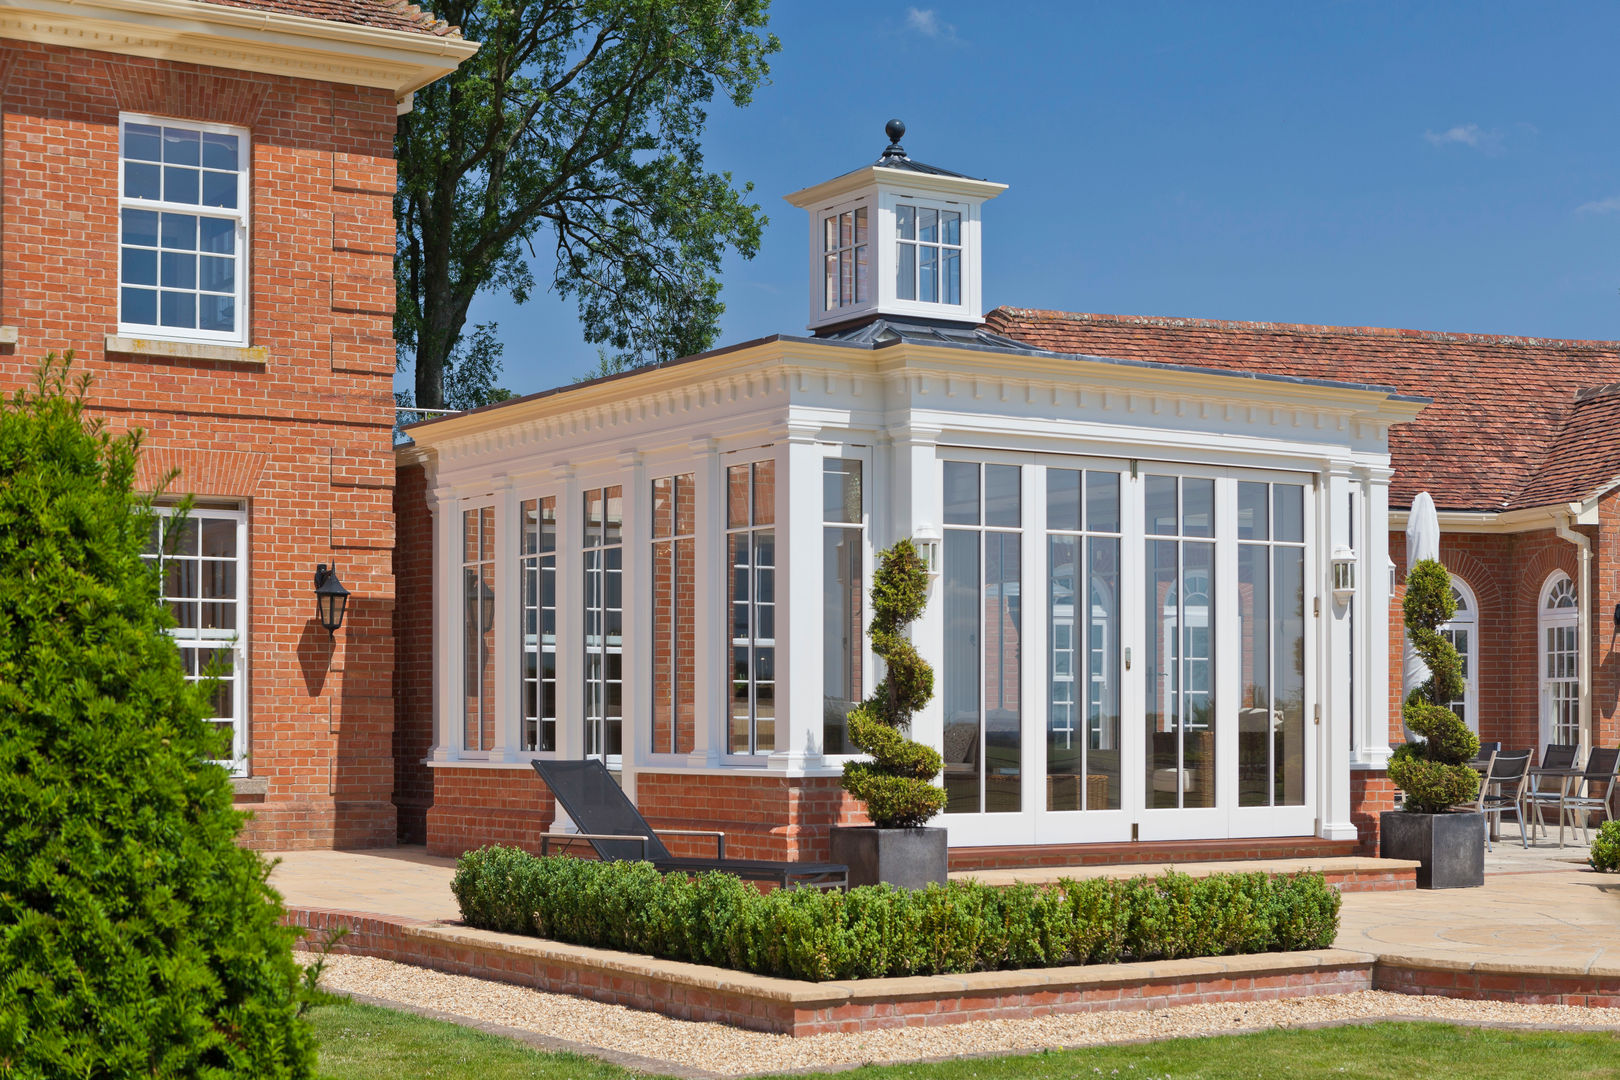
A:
[359,1042]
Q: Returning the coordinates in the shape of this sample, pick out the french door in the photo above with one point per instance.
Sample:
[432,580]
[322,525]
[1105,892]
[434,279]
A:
[1128,651]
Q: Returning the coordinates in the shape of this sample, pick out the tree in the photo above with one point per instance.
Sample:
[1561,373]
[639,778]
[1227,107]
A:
[896,784]
[136,937]
[581,120]
[1431,770]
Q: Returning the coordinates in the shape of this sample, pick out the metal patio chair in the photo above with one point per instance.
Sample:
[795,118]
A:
[1508,774]
[1602,767]
[615,829]
[1557,758]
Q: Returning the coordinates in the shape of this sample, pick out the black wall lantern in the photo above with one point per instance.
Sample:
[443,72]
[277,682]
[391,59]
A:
[331,598]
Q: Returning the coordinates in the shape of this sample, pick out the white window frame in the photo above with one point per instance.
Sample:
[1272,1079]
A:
[1549,620]
[238,763]
[888,248]
[240,215]
[602,649]
[1466,618]
[536,644]
[831,307]
[754,642]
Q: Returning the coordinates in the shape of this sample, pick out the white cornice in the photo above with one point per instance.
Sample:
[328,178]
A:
[873,175]
[272,43]
[1505,521]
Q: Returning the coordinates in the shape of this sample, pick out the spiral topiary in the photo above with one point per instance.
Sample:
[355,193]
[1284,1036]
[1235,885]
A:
[896,783]
[1431,769]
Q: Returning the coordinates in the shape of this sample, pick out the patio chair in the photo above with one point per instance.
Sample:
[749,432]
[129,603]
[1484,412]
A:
[1508,775]
[615,829]
[1483,758]
[1556,756]
[1601,768]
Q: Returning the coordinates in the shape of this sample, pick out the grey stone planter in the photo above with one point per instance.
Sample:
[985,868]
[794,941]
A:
[1450,848]
[907,858]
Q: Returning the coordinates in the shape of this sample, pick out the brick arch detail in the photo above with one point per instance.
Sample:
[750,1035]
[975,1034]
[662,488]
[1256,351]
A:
[1478,576]
[220,473]
[1534,574]
[186,92]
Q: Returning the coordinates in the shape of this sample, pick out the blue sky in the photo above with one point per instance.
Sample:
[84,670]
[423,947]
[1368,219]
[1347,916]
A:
[1436,166]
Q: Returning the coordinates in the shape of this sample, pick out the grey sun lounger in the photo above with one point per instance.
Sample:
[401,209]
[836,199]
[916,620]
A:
[613,826]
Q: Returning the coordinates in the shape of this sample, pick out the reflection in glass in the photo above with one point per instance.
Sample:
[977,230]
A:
[1180,650]
[843,645]
[1271,620]
[959,592]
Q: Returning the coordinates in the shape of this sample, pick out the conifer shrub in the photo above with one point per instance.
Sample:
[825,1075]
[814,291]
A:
[896,784]
[877,931]
[1432,768]
[136,937]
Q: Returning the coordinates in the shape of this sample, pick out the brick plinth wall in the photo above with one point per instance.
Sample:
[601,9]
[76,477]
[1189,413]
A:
[763,817]
[473,807]
[1371,793]
[302,440]
[1163,851]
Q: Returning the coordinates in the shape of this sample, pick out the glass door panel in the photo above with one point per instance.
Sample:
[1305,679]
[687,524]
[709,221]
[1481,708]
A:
[1180,645]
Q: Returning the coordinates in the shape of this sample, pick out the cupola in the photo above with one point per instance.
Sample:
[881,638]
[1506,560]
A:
[897,238]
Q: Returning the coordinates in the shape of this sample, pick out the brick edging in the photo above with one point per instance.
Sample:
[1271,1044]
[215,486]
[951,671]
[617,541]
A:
[696,992]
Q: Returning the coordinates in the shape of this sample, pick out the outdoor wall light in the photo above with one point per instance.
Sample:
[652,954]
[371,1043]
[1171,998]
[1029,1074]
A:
[331,598]
[1617,616]
[926,540]
[1344,574]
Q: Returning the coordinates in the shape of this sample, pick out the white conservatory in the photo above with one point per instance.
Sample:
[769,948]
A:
[1160,592]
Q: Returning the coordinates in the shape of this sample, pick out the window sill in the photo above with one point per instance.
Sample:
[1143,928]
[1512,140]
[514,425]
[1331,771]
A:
[257,355]
[250,785]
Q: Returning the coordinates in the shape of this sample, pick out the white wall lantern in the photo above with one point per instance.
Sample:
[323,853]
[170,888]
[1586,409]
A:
[1344,574]
[926,540]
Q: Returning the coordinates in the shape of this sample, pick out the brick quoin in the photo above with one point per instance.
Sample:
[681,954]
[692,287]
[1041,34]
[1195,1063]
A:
[304,441]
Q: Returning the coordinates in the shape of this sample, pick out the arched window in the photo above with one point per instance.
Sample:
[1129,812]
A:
[1558,654]
[1463,633]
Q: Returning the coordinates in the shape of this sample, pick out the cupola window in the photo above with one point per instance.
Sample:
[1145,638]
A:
[928,254]
[845,247]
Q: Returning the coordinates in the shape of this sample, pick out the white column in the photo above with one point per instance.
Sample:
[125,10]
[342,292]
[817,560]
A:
[799,570]
[636,600]
[1337,688]
[508,615]
[570,618]
[915,499]
[709,655]
[447,626]
[1372,738]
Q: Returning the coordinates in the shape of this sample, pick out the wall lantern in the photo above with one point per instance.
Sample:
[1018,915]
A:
[926,540]
[331,598]
[479,594]
[1344,574]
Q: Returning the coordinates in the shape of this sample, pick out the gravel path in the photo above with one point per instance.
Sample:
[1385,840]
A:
[727,1051]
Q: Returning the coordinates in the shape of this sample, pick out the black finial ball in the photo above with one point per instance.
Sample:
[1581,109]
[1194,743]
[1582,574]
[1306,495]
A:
[895,130]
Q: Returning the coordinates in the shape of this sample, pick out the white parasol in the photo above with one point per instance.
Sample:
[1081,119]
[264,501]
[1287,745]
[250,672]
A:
[1422,542]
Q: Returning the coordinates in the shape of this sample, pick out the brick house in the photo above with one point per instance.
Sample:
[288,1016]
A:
[196,198]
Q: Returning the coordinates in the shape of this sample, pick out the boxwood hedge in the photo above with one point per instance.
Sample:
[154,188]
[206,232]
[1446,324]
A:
[877,931]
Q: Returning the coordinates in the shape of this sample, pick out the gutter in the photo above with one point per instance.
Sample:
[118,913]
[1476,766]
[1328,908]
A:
[1583,601]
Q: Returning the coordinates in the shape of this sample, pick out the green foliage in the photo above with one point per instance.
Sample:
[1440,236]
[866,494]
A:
[1605,853]
[878,931]
[1431,770]
[580,123]
[136,937]
[896,784]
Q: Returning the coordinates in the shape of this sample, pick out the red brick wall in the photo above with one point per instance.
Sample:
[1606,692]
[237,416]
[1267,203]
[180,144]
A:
[1506,572]
[477,806]
[304,440]
[413,653]
[1371,794]
[763,817]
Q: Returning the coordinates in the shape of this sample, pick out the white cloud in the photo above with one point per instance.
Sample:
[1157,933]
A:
[1470,135]
[925,21]
[1611,205]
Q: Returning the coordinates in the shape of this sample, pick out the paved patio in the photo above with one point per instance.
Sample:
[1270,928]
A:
[1541,907]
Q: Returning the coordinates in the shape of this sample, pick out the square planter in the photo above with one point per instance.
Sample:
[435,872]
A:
[1450,848]
[906,858]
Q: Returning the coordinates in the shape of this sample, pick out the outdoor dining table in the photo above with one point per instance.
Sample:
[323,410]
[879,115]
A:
[1563,776]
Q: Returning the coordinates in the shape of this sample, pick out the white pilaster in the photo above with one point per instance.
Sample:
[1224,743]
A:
[1372,740]
[1339,627]
[709,659]
[570,617]
[508,632]
[799,569]
[916,500]
[637,590]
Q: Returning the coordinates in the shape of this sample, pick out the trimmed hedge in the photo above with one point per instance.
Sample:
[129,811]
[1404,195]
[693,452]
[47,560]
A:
[877,931]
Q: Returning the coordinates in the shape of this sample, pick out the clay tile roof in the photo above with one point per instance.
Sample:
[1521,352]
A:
[380,14]
[1503,407]
[1584,457]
